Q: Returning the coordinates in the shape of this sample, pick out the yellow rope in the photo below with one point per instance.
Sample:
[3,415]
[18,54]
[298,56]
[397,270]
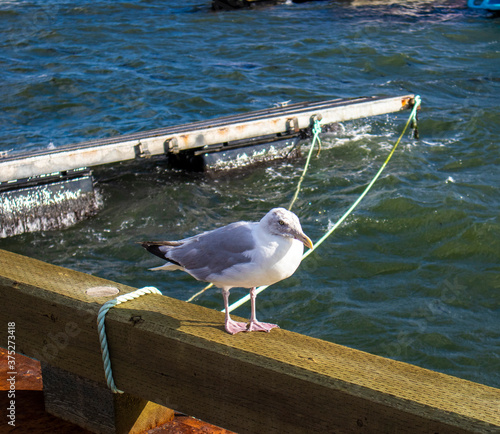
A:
[200,292]
[316,130]
[411,119]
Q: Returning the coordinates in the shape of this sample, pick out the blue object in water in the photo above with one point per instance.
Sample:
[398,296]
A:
[491,5]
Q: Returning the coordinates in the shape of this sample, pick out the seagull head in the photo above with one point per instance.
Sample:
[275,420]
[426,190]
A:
[280,221]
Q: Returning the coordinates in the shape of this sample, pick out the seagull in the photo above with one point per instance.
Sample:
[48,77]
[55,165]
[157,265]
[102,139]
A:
[241,254]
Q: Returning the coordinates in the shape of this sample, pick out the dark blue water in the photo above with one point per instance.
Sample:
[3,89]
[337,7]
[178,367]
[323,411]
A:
[413,274]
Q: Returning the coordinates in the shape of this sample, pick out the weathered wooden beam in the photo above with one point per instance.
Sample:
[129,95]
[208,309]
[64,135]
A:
[178,355]
[195,135]
[94,407]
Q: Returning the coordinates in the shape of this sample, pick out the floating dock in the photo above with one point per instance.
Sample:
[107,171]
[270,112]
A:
[49,189]
[206,136]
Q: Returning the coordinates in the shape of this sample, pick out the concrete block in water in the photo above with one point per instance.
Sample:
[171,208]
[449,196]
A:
[53,205]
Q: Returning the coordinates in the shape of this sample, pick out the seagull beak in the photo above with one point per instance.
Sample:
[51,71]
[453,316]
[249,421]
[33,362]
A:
[303,238]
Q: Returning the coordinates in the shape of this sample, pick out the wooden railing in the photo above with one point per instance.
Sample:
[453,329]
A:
[176,354]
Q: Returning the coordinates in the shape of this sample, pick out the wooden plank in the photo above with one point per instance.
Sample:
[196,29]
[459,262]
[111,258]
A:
[178,355]
[195,135]
[30,407]
[94,407]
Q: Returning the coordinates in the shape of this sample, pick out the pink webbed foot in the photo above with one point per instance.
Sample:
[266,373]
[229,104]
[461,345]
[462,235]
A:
[234,327]
[256,326]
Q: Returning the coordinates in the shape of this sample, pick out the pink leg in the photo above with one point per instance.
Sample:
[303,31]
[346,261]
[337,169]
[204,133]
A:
[231,326]
[256,326]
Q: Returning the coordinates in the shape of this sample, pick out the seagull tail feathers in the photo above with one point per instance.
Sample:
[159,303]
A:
[160,249]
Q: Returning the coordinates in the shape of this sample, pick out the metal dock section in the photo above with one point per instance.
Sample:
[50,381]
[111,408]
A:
[52,189]
[204,135]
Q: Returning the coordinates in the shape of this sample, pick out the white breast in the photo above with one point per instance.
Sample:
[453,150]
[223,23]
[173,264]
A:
[273,260]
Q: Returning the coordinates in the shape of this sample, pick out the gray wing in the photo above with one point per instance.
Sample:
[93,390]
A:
[211,252]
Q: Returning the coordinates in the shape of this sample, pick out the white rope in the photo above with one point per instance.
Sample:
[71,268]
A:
[102,329]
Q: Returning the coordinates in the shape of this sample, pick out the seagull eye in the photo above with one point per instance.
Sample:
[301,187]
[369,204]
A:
[281,222]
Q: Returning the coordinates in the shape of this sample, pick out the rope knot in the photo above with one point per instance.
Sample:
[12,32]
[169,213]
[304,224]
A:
[316,129]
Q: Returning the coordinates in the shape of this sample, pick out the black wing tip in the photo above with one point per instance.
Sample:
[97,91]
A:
[153,247]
